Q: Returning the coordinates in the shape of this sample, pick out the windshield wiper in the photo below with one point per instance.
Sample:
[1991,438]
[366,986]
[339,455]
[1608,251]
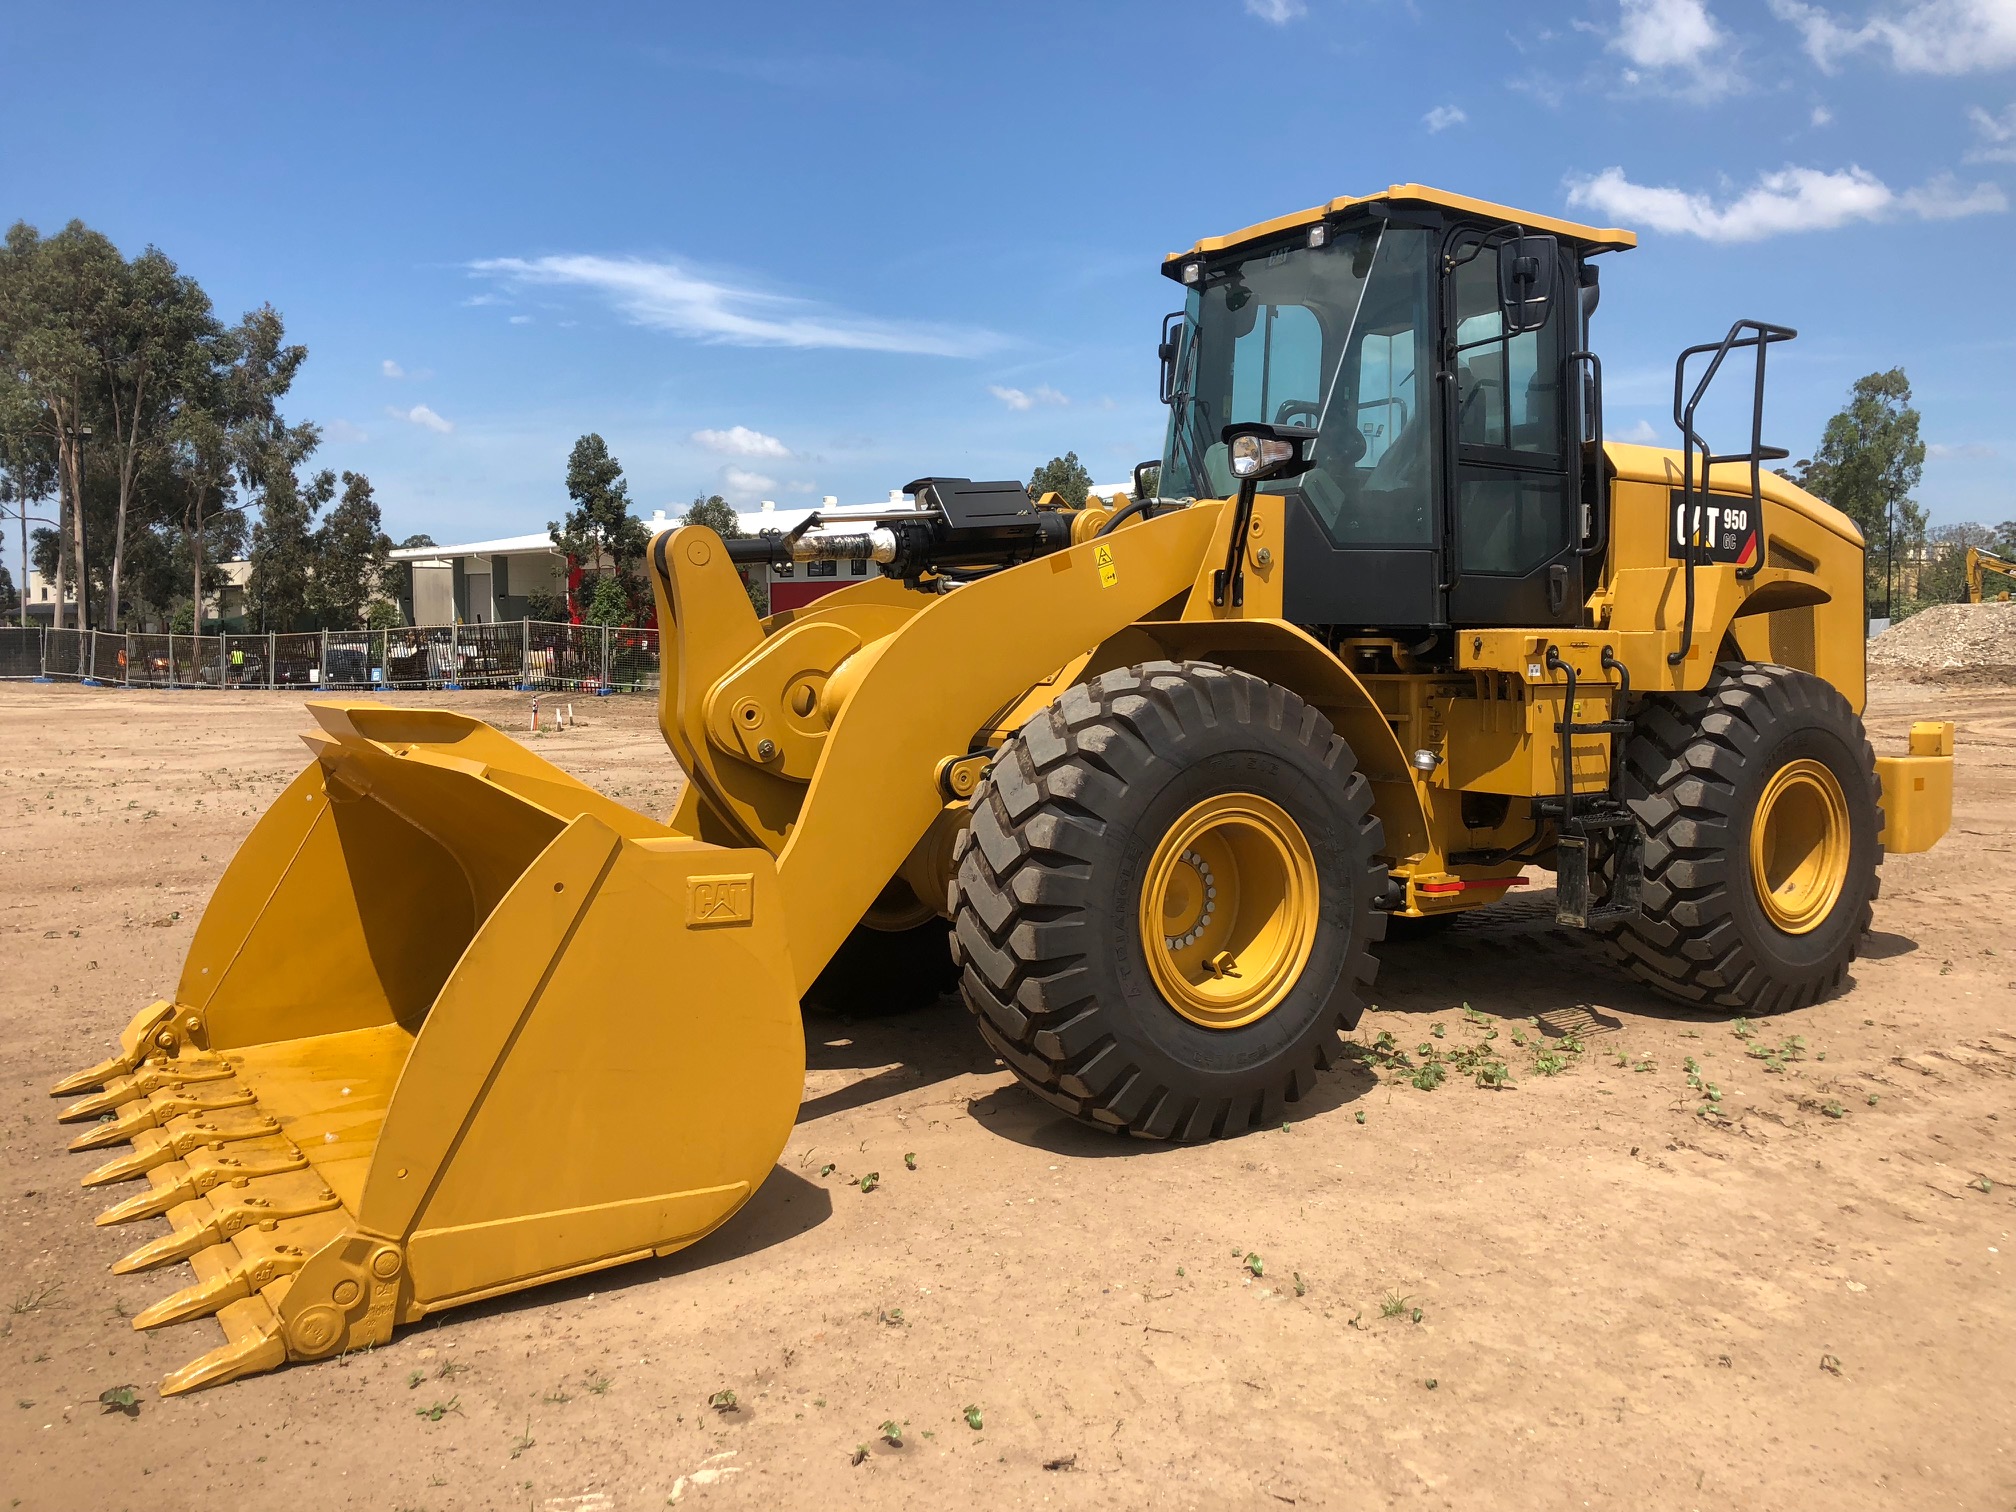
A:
[1183,402]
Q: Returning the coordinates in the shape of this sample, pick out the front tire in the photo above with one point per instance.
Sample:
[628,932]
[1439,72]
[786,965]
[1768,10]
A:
[1163,904]
[1761,810]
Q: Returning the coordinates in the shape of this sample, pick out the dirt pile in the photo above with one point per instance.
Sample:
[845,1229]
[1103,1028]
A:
[1961,642]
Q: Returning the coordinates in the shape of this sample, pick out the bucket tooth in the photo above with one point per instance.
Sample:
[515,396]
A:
[118,1092]
[156,1147]
[149,1204]
[157,1110]
[134,1044]
[144,1082]
[116,1131]
[255,1346]
[94,1076]
[170,1247]
[149,1151]
[204,1172]
[234,1218]
[237,1279]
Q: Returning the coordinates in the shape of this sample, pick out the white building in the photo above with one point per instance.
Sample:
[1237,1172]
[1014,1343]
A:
[478,582]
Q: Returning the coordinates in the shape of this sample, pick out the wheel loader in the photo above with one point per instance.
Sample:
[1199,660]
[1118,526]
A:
[1388,627]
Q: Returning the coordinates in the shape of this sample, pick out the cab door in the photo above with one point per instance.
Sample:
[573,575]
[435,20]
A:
[1513,502]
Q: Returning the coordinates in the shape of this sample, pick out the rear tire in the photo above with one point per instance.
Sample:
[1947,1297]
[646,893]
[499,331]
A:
[877,973]
[1074,826]
[1734,916]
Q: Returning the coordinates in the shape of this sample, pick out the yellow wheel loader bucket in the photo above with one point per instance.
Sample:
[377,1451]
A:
[453,1024]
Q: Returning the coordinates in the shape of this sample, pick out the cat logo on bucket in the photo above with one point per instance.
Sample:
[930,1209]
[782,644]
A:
[719,900]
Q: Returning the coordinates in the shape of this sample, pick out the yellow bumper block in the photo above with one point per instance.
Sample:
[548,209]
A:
[1918,789]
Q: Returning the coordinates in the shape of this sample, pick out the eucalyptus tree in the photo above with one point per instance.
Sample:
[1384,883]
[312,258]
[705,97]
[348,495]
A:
[27,464]
[153,327]
[49,289]
[227,434]
[352,552]
[281,586]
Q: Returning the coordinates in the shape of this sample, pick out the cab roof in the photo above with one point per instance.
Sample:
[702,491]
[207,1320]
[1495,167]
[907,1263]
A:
[1593,238]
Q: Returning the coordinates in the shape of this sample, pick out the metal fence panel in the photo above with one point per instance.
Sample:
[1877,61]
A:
[535,654]
[488,656]
[149,662]
[564,658]
[633,659]
[20,651]
[244,661]
[353,659]
[198,660]
[108,655]
[408,658]
[65,654]
[297,660]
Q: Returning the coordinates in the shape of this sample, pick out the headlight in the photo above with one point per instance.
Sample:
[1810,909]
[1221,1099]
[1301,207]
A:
[1253,455]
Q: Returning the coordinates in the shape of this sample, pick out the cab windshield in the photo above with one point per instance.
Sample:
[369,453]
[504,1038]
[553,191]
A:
[1331,338]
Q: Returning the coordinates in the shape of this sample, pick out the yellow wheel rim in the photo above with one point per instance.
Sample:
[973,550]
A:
[1228,910]
[1799,844]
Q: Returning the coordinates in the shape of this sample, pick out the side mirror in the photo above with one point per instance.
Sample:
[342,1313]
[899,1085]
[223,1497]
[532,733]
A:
[1167,351]
[1258,453]
[1528,268]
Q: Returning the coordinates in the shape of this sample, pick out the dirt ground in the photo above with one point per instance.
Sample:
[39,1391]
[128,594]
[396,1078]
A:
[1578,1291]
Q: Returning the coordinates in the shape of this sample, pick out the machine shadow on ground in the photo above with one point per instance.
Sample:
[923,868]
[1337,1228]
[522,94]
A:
[1511,960]
[906,1052]
[784,1206]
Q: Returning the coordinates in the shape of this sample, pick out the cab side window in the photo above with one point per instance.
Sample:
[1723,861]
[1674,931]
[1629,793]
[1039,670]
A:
[1277,367]
[1508,389]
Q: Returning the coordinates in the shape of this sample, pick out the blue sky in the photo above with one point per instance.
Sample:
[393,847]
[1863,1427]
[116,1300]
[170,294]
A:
[792,250]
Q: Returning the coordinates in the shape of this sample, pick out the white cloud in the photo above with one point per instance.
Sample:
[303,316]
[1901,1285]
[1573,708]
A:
[1920,36]
[740,441]
[1822,116]
[1972,450]
[421,416]
[344,433]
[521,320]
[746,485]
[1641,434]
[1997,134]
[1019,399]
[1668,33]
[668,297]
[1792,199]
[391,369]
[1945,198]
[1442,117]
[1277,12]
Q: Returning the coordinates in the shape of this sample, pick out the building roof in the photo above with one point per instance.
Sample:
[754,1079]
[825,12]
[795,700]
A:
[508,546]
[1607,238]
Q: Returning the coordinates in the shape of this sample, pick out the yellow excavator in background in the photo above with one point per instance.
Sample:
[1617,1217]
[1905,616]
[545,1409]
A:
[1393,624]
[1980,563]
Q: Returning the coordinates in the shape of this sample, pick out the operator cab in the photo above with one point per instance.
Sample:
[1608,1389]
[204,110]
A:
[1437,347]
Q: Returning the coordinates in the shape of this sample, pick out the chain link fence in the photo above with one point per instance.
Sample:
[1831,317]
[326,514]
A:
[20,651]
[532,655]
